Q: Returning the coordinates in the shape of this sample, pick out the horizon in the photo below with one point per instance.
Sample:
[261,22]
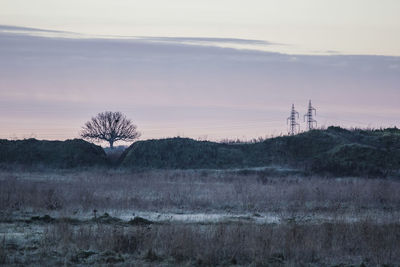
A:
[228,75]
[126,144]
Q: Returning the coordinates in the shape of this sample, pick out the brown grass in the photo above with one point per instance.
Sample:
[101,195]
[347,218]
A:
[294,242]
[214,244]
[193,191]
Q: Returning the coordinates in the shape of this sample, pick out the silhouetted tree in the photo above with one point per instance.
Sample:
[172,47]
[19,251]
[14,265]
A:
[111,127]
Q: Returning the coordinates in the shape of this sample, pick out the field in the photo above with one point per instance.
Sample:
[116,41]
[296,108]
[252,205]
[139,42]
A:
[196,217]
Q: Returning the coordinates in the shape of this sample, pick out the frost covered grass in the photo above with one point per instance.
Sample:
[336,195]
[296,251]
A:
[288,244]
[201,218]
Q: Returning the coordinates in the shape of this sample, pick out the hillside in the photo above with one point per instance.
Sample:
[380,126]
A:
[182,153]
[334,151]
[55,154]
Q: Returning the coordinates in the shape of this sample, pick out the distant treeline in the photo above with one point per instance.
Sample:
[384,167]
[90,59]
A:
[334,151]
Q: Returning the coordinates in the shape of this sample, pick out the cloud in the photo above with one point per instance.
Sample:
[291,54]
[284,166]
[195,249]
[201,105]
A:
[16,30]
[177,40]
[208,40]
[23,29]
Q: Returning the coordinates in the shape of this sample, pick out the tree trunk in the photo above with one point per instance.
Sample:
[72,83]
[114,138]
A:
[111,144]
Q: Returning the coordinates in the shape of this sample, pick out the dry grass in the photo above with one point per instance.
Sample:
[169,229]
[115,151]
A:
[289,244]
[372,240]
[193,191]
[3,251]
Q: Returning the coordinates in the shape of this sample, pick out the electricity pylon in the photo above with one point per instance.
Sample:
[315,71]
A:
[311,123]
[294,126]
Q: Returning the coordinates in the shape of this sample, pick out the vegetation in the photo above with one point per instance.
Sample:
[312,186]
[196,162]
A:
[334,151]
[55,154]
[111,127]
[246,204]
[199,191]
[289,244]
[48,218]
[182,153]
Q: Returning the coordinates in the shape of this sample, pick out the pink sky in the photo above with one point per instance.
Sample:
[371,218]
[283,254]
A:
[49,86]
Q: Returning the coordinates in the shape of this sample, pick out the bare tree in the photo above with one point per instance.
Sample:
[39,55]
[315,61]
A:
[111,127]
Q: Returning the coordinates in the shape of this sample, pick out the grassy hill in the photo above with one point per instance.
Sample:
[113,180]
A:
[182,153]
[55,154]
[334,151]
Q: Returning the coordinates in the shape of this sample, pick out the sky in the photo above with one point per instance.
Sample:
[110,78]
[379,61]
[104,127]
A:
[201,69]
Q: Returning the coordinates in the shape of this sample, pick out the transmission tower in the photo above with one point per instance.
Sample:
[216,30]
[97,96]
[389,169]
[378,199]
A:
[311,123]
[294,126]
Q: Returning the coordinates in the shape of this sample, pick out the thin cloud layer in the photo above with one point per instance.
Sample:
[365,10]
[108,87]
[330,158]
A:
[23,29]
[208,41]
[177,40]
